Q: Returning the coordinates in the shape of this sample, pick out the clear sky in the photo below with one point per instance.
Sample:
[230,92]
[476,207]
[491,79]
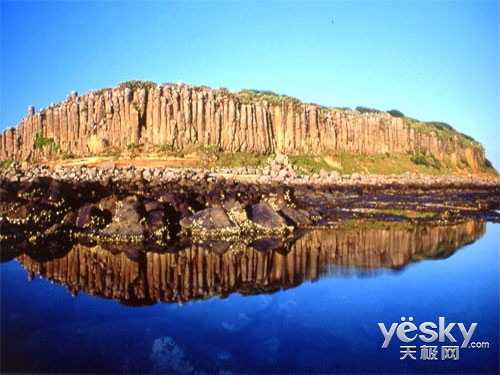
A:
[432,60]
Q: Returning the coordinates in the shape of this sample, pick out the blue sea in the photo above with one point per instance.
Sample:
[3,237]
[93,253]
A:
[324,324]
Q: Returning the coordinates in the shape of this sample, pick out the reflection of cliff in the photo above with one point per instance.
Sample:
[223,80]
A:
[197,273]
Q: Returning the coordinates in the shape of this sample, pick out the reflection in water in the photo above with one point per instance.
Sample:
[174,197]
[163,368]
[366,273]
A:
[199,273]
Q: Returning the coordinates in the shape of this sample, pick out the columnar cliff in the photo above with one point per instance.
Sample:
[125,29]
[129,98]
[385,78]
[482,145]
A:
[182,116]
[195,272]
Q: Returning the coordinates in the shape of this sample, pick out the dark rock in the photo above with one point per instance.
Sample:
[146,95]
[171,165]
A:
[24,211]
[236,211]
[91,217]
[262,214]
[208,219]
[70,218]
[153,206]
[156,220]
[296,217]
[218,247]
[267,244]
[127,220]
[55,193]
[108,204]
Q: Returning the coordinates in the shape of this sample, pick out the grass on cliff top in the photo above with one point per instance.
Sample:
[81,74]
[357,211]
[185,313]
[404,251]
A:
[247,96]
[443,131]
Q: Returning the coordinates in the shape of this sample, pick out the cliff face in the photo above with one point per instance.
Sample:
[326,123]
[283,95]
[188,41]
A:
[182,116]
[197,273]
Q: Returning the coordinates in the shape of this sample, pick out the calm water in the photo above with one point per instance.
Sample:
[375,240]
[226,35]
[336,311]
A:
[314,309]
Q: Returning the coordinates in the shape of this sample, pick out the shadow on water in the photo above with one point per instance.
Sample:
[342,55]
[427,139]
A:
[187,271]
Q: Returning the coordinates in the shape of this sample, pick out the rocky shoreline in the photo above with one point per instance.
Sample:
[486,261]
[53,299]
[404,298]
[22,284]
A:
[280,170]
[138,214]
[161,208]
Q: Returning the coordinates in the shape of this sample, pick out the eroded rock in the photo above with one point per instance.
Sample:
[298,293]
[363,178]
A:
[264,216]
[127,220]
[209,219]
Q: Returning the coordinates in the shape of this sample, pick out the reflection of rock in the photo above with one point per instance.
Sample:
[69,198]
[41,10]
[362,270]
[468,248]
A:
[267,244]
[167,357]
[219,268]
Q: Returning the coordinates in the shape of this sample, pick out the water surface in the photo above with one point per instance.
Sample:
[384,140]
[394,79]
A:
[311,307]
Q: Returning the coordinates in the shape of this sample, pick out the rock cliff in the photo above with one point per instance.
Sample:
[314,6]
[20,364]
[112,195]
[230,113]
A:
[180,116]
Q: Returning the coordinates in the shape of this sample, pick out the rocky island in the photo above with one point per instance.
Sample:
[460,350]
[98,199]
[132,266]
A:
[144,167]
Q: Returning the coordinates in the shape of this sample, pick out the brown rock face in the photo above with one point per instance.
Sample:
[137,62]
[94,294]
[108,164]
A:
[183,116]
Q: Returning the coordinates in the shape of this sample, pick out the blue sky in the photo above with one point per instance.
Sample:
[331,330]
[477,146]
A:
[432,60]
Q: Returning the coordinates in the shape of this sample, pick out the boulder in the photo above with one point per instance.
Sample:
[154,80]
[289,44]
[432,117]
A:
[127,220]
[281,158]
[263,215]
[236,211]
[156,220]
[91,217]
[323,173]
[214,218]
[296,217]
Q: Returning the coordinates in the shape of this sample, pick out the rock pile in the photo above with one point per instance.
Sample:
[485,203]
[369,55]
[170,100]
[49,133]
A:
[279,170]
[34,211]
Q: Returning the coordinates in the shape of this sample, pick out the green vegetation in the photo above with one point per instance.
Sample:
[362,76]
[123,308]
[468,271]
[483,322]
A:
[136,85]
[443,131]
[348,163]
[213,156]
[131,146]
[307,164]
[167,147]
[241,159]
[67,155]
[247,96]
[363,110]
[207,148]
[426,160]
[489,168]
[409,214]
[136,107]
[42,141]
[364,224]
[5,163]
[113,152]
[395,113]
